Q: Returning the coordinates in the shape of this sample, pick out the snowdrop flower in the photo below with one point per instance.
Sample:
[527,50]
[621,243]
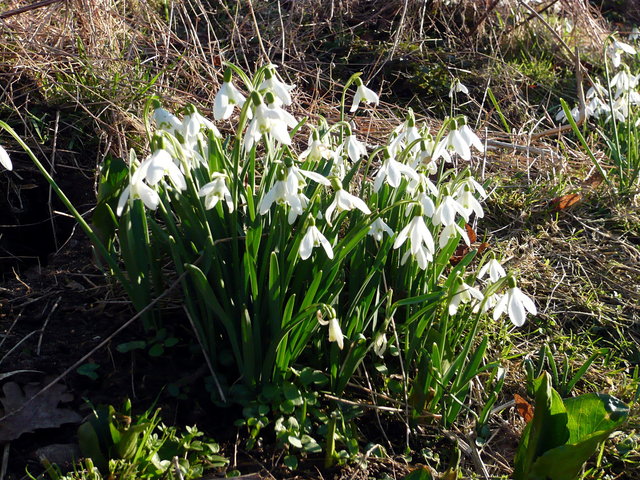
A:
[391,172]
[460,140]
[299,174]
[424,158]
[422,245]
[344,201]
[137,189]
[445,214]
[167,121]
[471,184]
[464,294]
[316,148]
[406,134]
[216,191]
[194,122]
[635,34]
[314,238]
[354,147]
[516,304]
[422,184]
[378,228]
[380,344]
[157,166]
[469,204]
[363,94]
[5,161]
[616,48]
[623,81]
[457,87]
[227,97]
[495,270]
[278,87]
[285,191]
[265,121]
[276,106]
[427,204]
[596,90]
[575,113]
[335,332]
[451,232]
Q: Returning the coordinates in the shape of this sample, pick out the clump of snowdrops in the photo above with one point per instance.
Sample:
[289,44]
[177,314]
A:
[310,259]
[612,104]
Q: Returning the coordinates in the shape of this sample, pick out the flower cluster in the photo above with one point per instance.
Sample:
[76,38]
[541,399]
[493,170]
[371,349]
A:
[410,204]
[612,99]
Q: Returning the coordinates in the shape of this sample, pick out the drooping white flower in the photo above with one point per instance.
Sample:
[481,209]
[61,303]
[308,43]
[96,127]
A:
[157,166]
[277,86]
[459,140]
[138,189]
[616,49]
[314,238]
[516,304]
[5,161]
[354,147]
[335,332]
[495,270]
[192,124]
[452,231]
[469,204]
[457,87]
[378,228]
[284,192]
[471,184]
[363,94]
[316,148]
[345,201]
[216,191]
[464,294]
[428,207]
[166,120]
[227,97]
[623,81]
[266,121]
[422,245]
[391,172]
[299,174]
[406,134]
[380,344]
[445,214]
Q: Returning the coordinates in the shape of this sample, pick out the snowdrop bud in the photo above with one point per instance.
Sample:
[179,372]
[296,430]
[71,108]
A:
[5,161]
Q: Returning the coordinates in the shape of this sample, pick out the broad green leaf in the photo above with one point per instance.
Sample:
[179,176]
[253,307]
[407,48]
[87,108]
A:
[591,413]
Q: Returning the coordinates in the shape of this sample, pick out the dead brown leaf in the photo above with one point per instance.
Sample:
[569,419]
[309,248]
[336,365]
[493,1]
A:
[24,414]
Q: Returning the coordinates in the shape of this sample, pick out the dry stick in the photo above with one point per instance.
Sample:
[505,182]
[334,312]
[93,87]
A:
[27,8]
[396,40]
[52,171]
[576,58]
[490,8]
[46,322]
[531,16]
[255,25]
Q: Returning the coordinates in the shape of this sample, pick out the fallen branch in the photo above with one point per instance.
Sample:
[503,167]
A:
[27,8]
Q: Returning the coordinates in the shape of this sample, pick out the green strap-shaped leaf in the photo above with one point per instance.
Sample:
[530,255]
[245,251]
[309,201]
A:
[547,430]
